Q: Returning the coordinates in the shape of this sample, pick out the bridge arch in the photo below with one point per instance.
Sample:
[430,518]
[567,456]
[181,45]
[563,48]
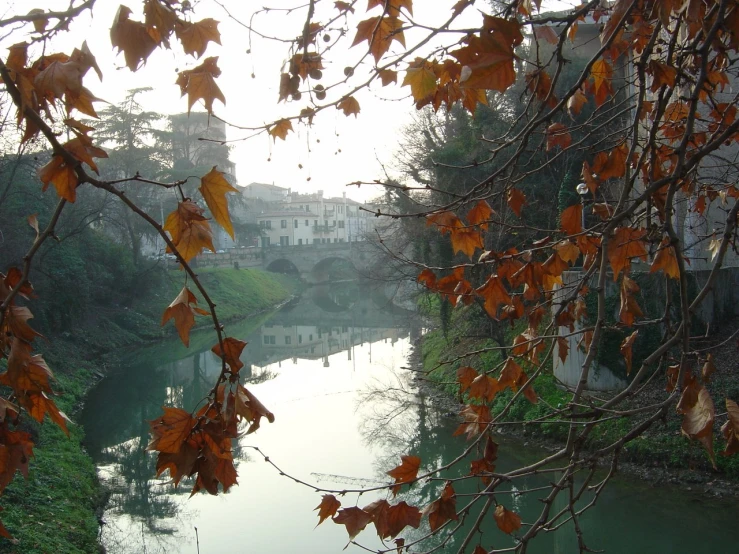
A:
[283,265]
[335,266]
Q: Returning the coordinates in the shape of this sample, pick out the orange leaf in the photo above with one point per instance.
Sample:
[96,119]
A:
[442,510]
[421,78]
[567,251]
[171,430]
[475,420]
[195,36]
[626,244]
[666,260]
[349,106]
[563,348]
[510,374]
[629,309]
[62,176]
[405,472]
[480,214]
[355,520]
[251,409]
[484,388]
[445,221]
[199,84]
[327,508]
[189,230]
[280,129]
[507,521]
[576,102]
[428,278]
[516,200]
[466,240]
[183,313]
[494,294]
[379,32]
[232,348]
[626,349]
[213,187]
[391,520]
[465,377]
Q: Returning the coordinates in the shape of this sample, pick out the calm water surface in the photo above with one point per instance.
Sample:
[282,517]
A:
[331,369]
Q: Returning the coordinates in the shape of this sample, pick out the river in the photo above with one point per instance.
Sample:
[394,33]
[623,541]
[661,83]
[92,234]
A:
[331,368]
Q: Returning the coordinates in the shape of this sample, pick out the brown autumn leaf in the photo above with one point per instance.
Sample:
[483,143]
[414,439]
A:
[280,129]
[571,220]
[17,451]
[170,430]
[662,74]
[442,510]
[421,78]
[494,293]
[62,176]
[510,373]
[465,377]
[576,102]
[57,78]
[466,240]
[516,200]
[355,519]
[427,277]
[730,429]
[626,349]
[393,6]
[480,215]
[195,36]
[563,348]
[189,229]
[214,187]
[387,76]
[390,520]
[567,251]
[558,135]
[487,59]
[199,84]
[183,309]
[232,348]
[475,420]
[484,387]
[479,550]
[698,420]
[379,32]
[38,404]
[251,409]
[405,472]
[327,508]
[665,260]
[507,521]
[626,244]
[349,106]
[132,38]
[445,221]
[629,309]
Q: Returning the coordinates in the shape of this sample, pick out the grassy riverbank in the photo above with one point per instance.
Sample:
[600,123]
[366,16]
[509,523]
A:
[662,446]
[54,510]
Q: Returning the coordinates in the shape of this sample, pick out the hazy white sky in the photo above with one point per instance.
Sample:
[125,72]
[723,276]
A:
[336,150]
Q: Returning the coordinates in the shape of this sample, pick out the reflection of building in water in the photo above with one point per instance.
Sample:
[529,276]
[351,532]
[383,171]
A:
[312,342]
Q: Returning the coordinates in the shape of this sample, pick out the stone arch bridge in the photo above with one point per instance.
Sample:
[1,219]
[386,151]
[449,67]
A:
[313,261]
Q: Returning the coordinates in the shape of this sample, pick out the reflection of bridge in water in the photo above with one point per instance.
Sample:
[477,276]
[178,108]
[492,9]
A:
[311,262]
[303,330]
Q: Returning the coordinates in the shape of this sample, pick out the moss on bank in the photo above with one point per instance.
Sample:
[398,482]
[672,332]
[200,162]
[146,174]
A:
[662,445]
[54,510]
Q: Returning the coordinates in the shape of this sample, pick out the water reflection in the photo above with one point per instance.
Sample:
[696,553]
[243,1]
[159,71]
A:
[145,513]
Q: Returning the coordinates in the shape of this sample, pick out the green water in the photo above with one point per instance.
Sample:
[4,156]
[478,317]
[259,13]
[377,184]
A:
[330,367]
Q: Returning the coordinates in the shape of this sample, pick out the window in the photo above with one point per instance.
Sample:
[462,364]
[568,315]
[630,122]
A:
[341,240]
[265,241]
[315,223]
[284,241]
[300,241]
[261,224]
[306,222]
[300,339]
[345,329]
[269,339]
[295,223]
[310,337]
[288,339]
[268,224]
[316,241]
[336,240]
[283,224]
[341,224]
[333,223]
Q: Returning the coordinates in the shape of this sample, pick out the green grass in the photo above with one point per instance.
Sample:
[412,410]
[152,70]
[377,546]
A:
[53,511]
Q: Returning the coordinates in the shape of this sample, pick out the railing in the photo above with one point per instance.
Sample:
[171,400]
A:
[320,229]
